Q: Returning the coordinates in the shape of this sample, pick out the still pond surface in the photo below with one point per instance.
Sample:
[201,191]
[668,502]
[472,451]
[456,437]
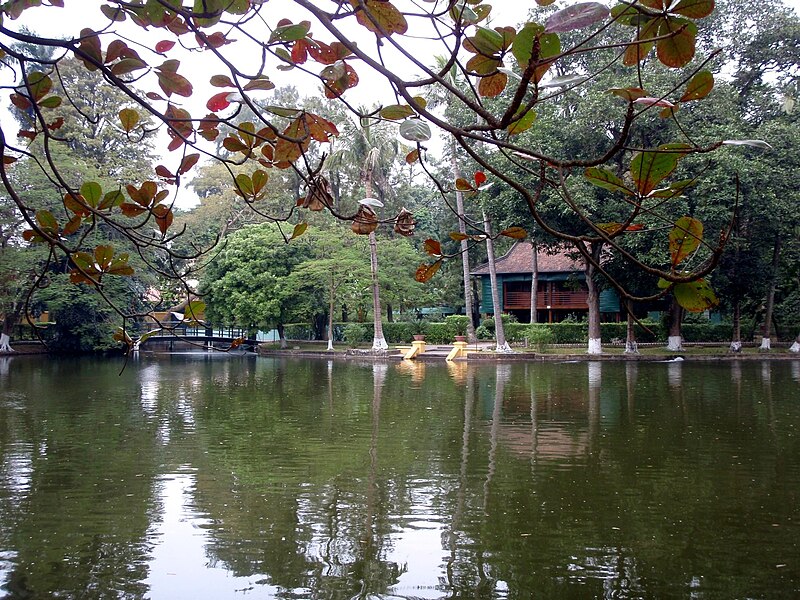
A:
[207,476]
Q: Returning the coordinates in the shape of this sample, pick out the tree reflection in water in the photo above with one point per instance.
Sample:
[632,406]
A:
[304,479]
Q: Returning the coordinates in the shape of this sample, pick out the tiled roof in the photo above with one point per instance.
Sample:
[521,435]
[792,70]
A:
[519,259]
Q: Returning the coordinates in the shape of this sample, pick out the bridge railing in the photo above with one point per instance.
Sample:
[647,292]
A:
[173,330]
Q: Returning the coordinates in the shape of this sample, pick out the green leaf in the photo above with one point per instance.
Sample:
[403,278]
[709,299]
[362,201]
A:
[221,81]
[700,86]
[211,11]
[92,193]
[487,41]
[195,310]
[606,179]
[129,118]
[260,178]
[396,112]
[678,49]
[415,130]
[694,9]
[83,260]
[113,13]
[629,94]
[112,199]
[696,296]
[522,124]
[47,221]
[650,167]
[51,102]
[684,239]
[522,48]
[291,32]
[388,18]
[128,65]
[244,185]
[103,254]
[259,83]
[299,230]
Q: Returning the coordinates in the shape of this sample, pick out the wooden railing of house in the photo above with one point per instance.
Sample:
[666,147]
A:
[558,299]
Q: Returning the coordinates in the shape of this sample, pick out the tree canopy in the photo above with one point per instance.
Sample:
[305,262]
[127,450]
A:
[620,72]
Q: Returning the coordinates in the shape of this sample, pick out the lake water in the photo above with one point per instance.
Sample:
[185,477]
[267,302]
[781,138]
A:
[210,476]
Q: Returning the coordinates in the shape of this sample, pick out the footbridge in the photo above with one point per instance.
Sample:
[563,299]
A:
[203,337]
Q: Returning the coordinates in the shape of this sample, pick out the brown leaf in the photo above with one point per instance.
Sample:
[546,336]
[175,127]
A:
[404,224]
[365,221]
[319,195]
[432,247]
[425,272]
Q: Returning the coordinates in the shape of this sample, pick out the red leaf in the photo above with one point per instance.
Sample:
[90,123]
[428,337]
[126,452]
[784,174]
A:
[218,102]
[164,46]
[164,173]
[188,162]
[480,177]
[300,51]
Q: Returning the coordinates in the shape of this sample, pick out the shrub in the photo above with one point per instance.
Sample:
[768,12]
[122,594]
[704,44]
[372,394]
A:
[707,332]
[569,332]
[458,324]
[356,333]
[539,336]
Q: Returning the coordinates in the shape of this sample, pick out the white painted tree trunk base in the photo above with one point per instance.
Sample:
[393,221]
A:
[631,348]
[795,347]
[330,345]
[503,349]
[735,347]
[5,343]
[766,344]
[675,343]
[379,344]
[595,346]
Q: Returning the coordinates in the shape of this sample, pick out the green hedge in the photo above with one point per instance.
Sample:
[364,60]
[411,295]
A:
[560,333]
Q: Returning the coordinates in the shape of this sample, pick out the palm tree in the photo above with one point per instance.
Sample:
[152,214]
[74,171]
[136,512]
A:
[442,96]
[370,152]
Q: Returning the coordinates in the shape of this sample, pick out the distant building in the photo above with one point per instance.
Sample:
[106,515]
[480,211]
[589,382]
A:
[561,289]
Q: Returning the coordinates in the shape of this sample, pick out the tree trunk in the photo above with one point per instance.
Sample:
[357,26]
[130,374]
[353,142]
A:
[10,320]
[282,336]
[389,313]
[631,347]
[674,337]
[534,281]
[330,312]
[736,335]
[769,305]
[378,341]
[593,300]
[462,228]
[500,335]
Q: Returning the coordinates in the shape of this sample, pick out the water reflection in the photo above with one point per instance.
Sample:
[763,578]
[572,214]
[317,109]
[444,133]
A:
[207,478]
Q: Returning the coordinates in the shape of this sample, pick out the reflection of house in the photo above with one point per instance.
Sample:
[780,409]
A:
[561,288]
